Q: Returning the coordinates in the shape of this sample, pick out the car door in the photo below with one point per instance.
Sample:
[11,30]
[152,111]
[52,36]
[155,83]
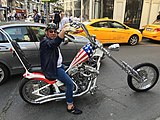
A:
[68,49]
[119,31]
[102,31]
[22,35]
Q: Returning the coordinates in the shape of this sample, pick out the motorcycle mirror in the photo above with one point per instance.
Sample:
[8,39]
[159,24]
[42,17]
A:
[114,47]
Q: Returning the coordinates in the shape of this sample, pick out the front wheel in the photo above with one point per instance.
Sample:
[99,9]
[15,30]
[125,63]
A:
[149,74]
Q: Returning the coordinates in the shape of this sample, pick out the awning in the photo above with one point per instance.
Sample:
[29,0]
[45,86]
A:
[18,10]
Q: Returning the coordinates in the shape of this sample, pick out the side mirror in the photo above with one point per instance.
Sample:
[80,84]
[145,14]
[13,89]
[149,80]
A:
[114,47]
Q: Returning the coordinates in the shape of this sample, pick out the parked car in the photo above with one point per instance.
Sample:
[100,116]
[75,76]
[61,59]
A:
[152,31]
[28,36]
[112,31]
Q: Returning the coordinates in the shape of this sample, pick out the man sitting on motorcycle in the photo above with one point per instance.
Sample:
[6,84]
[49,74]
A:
[51,62]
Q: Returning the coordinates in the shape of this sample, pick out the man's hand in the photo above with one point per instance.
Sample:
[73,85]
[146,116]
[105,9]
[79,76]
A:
[68,28]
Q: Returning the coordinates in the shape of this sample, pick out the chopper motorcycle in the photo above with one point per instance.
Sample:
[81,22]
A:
[36,89]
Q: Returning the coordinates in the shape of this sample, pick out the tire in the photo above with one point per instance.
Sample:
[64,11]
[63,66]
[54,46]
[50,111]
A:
[4,74]
[147,70]
[26,88]
[133,40]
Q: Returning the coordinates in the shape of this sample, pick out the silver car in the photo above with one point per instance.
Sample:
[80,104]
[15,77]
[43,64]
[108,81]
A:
[28,36]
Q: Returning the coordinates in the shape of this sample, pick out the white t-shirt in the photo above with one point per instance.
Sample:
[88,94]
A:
[59,62]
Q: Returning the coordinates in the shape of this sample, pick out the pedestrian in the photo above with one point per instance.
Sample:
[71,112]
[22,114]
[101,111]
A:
[158,16]
[51,62]
[36,16]
[64,20]
[56,19]
[42,17]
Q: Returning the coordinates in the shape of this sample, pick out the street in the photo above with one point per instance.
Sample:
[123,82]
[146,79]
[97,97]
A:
[114,100]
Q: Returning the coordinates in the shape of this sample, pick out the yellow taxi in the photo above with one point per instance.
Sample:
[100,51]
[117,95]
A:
[111,31]
[152,31]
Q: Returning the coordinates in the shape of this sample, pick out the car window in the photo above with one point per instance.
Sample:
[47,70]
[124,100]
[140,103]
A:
[101,24]
[115,24]
[2,38]
[19,34]
[39,32]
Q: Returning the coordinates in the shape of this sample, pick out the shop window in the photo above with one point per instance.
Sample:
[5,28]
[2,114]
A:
[133,12]
[108,6]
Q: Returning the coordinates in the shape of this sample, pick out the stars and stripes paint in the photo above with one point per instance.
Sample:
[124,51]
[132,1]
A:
[83,55]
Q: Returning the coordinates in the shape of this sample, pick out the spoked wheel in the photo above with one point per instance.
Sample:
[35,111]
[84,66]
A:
[27,87]
[149,74]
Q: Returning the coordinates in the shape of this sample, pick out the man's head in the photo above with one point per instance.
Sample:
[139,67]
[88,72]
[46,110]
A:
[51,31]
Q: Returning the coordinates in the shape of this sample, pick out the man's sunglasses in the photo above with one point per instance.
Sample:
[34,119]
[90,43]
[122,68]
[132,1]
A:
[51,31]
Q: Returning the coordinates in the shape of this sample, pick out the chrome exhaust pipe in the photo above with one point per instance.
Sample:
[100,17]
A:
[60,96]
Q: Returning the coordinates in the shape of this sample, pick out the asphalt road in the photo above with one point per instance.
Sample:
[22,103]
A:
[114,100]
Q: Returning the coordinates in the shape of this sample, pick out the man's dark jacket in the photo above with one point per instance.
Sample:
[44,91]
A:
[49,56]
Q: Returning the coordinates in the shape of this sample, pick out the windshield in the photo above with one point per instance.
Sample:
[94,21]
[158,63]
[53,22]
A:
[86,22]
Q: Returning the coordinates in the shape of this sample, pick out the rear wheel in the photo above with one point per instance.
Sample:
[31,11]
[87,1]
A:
[27,87]
[4,74]
[133,40]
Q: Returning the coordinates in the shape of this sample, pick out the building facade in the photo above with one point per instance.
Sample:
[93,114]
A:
[134,13]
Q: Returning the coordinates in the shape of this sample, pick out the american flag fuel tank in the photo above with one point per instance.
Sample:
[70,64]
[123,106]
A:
[83,55]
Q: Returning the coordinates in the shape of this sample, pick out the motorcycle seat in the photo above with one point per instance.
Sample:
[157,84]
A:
[38,69]
[35,69]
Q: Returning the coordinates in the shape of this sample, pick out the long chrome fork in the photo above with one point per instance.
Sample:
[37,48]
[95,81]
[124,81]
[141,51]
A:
[94,86]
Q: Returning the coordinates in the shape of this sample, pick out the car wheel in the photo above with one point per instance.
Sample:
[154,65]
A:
[4,74]
[133,40]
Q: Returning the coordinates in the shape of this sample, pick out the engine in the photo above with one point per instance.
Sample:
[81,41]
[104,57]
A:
[82,74]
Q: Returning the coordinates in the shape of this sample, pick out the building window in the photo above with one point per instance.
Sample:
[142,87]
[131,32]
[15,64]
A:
[133,12]
[108,6]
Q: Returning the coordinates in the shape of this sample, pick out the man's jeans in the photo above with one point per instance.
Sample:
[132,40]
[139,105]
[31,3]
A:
[64,77]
